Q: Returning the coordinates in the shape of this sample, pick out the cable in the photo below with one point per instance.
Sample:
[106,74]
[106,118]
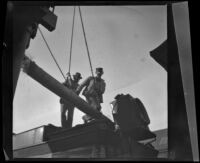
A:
[51,52]
[86,41]
[87,47]
[72,39]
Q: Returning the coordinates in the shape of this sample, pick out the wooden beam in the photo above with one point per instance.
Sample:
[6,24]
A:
[38,74]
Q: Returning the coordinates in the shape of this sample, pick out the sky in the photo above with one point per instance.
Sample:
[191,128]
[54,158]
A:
[119,40]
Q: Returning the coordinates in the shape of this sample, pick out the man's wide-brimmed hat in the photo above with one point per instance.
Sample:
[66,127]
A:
[78,75]
[99,70]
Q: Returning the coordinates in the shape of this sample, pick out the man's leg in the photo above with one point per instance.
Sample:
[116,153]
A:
[86,118]
[95,104]
[70,115]
[63,116]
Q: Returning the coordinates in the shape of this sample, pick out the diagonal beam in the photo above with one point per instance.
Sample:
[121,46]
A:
[38,74]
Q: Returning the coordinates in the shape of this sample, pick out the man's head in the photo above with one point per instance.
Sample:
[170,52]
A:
[77,76]
[99,71]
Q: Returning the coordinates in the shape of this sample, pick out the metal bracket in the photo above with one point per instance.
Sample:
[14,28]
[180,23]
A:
[49,19]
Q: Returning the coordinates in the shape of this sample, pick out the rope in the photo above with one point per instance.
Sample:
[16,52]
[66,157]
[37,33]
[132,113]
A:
[87,48]
[51,52]
[86,41]
[72,39]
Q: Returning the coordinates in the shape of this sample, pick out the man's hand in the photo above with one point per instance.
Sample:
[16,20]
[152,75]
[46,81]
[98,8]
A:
[68,74]
[69,77]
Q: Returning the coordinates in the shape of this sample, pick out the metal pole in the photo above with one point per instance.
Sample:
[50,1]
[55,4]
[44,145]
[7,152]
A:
[59,89]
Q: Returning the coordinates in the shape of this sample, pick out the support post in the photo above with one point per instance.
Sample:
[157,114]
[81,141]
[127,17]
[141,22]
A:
[25,20]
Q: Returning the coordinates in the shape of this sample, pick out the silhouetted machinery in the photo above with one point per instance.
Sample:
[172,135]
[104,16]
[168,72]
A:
[131,120]
[129,114]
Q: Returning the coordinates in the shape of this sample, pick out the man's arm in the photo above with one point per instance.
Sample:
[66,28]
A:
[66,83]
[69,79]
[83,84]
[103,87]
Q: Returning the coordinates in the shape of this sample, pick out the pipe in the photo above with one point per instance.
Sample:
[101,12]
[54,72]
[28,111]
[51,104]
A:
[38,74]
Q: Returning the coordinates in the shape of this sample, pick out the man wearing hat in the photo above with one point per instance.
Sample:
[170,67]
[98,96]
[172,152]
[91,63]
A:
[66,121]
[93,92]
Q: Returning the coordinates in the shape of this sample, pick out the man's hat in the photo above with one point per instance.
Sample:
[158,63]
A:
[78,75]
[99,70]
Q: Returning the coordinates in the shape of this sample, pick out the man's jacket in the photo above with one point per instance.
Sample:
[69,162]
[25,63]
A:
[94,87]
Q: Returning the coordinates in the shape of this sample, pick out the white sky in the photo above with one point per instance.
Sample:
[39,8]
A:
[119,39]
